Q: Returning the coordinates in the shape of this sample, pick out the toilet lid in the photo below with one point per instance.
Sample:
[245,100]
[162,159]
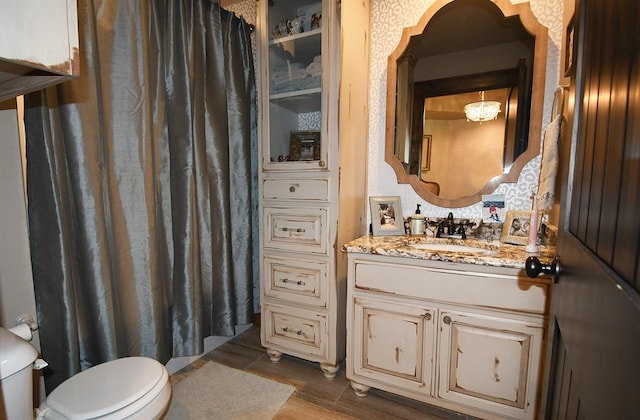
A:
[106,387]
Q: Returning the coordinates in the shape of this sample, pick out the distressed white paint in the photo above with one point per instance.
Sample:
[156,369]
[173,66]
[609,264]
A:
[42,32]
[397,344]
[490,362]
[466,340]
[310,208]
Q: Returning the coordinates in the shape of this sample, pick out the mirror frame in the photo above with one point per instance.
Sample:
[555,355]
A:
[540,33]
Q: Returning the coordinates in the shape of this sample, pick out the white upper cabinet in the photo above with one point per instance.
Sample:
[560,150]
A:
[38,45]
[297,66]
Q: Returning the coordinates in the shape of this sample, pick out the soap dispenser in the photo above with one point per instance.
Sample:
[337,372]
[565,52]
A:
[418,223]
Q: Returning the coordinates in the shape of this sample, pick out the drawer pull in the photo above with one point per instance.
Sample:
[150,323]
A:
[427,316]
[297,230]
[299,282]
[446,320]
[292,188]
[299,332]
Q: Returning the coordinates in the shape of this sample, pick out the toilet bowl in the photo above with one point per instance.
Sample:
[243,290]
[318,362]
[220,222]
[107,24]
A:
[127,388]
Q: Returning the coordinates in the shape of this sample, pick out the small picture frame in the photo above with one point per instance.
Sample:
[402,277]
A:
[516,228]
[386,216]
[304,145]
[568,48]
[493,208]
[312,16]
[425,162]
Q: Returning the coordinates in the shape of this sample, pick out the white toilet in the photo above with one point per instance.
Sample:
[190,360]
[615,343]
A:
[127,388]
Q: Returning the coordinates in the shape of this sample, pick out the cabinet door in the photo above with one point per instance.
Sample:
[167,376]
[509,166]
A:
[489,363]
[295,76]
[38,45]
[41,34]
[394,344]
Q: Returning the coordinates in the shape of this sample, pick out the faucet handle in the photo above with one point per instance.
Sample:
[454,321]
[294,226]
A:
[461,231]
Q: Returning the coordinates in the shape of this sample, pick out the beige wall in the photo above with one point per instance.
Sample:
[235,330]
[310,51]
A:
[16,281]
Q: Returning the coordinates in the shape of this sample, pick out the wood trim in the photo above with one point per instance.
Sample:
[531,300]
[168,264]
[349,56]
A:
[535,119]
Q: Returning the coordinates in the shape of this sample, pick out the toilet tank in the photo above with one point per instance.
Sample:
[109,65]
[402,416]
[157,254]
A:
[16,376]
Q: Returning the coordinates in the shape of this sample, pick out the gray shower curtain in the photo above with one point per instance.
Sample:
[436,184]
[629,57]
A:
[142,186]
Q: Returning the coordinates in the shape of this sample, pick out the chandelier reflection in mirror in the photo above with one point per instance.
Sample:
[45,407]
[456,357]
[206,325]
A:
[482,110]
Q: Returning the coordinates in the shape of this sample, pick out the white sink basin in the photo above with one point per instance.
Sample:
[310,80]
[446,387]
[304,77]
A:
[450,248]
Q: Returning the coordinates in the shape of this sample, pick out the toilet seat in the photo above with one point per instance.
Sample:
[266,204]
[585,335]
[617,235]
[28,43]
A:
[115,389]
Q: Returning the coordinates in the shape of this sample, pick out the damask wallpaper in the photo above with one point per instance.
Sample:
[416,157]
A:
[388,18]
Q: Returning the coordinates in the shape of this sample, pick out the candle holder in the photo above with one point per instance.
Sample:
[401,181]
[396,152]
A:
[534,223]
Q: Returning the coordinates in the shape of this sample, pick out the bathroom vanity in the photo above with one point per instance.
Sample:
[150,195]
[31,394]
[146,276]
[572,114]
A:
[456,324]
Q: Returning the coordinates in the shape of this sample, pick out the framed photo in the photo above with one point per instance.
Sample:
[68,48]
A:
[305,145]
[425,163]
[312,16]
[568,48]
[516,228]
[386,216]
[493,208]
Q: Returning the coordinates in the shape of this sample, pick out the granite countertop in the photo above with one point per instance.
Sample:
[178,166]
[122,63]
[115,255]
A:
[469,251]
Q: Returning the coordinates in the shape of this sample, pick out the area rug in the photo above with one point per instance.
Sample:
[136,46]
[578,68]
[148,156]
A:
[215,391]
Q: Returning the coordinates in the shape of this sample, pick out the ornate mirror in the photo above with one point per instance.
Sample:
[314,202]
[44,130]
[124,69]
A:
[462,58]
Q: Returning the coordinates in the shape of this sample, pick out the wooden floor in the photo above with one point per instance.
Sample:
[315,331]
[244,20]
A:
[315,397]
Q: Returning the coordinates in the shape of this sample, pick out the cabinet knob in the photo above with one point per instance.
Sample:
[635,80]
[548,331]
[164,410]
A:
[322,163]
[446,320]
[427,316]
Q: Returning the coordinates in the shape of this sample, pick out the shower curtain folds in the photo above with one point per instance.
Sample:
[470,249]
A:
[140,184]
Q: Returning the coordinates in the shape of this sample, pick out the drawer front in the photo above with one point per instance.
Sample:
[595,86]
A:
[463,287]
[295,329]
[292,189]
[296,229]
[296,280]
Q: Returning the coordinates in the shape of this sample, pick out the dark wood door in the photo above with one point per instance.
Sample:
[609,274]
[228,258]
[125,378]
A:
[595,321]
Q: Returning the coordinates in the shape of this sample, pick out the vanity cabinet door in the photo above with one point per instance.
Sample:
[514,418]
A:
[393,344]
[489,363]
